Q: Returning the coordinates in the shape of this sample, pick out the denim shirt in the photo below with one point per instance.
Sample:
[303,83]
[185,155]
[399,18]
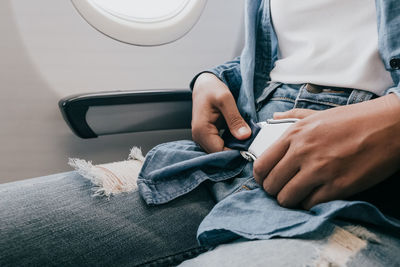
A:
[247,75]
[174,169]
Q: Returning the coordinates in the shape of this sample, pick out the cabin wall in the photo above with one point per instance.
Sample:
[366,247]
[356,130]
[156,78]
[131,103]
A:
[48,51]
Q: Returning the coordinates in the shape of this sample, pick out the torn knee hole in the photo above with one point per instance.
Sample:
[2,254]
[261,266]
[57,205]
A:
[112,178]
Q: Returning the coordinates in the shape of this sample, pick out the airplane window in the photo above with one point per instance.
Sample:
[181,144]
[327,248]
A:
[141,22]
[142,10]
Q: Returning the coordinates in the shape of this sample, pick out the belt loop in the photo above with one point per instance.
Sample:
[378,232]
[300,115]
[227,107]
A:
[302,88]
[358,96]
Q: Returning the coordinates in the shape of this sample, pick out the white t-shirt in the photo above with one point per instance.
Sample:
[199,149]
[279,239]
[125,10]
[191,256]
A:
[330,43]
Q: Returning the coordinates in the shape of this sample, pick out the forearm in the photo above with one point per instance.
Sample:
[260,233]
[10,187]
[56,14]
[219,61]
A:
[385,111]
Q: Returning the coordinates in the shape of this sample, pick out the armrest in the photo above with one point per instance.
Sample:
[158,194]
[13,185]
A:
[92,115]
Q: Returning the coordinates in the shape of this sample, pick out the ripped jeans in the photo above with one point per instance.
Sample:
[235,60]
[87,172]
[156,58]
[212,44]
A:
[54,220]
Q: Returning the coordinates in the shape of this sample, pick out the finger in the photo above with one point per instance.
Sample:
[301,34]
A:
[323,194]
[281,174]
[237,125]
[297,113]
[204,129]
[319,196]
[298,189]
[268,159]
[212,144]
[207,136]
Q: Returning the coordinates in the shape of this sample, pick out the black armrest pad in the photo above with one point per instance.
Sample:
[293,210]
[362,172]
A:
[74,108]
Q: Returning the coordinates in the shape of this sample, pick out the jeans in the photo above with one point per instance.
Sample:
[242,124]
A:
[55,220]
[337,244]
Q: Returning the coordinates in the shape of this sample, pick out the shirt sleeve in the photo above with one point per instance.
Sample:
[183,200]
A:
[394,90]
[228,73]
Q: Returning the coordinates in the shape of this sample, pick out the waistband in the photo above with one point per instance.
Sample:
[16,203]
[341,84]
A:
[334,96]
[356,95]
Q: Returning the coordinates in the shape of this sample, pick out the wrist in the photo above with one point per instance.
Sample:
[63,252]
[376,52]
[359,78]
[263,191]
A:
[389,119]
[209,83]
[206,77]
[392,102]
[201,79]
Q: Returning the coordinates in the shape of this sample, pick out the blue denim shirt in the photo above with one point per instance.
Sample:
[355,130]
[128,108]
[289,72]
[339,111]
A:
[248,74]
[174,169]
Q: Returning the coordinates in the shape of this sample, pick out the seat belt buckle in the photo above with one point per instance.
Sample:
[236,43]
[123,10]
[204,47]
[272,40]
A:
[270,131]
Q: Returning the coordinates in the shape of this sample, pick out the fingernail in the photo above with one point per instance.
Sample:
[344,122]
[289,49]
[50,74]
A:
[243,130]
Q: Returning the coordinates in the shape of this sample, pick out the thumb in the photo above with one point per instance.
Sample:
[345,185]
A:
[297,113]
[237,125]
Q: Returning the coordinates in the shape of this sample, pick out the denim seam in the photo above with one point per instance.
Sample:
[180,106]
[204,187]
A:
[162,197]
[180,146]
[157,198]
[267,91]
[319,102]
[283,98]
[248,235]
[162,260]
[243,186]
[301,89]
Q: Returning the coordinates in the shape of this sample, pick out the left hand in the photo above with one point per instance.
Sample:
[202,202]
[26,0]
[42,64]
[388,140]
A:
[332,154]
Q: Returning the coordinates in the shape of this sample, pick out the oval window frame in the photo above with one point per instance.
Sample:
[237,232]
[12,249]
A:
[142,33]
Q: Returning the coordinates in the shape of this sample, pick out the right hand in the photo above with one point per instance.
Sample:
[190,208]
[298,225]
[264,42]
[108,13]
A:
[213,103]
